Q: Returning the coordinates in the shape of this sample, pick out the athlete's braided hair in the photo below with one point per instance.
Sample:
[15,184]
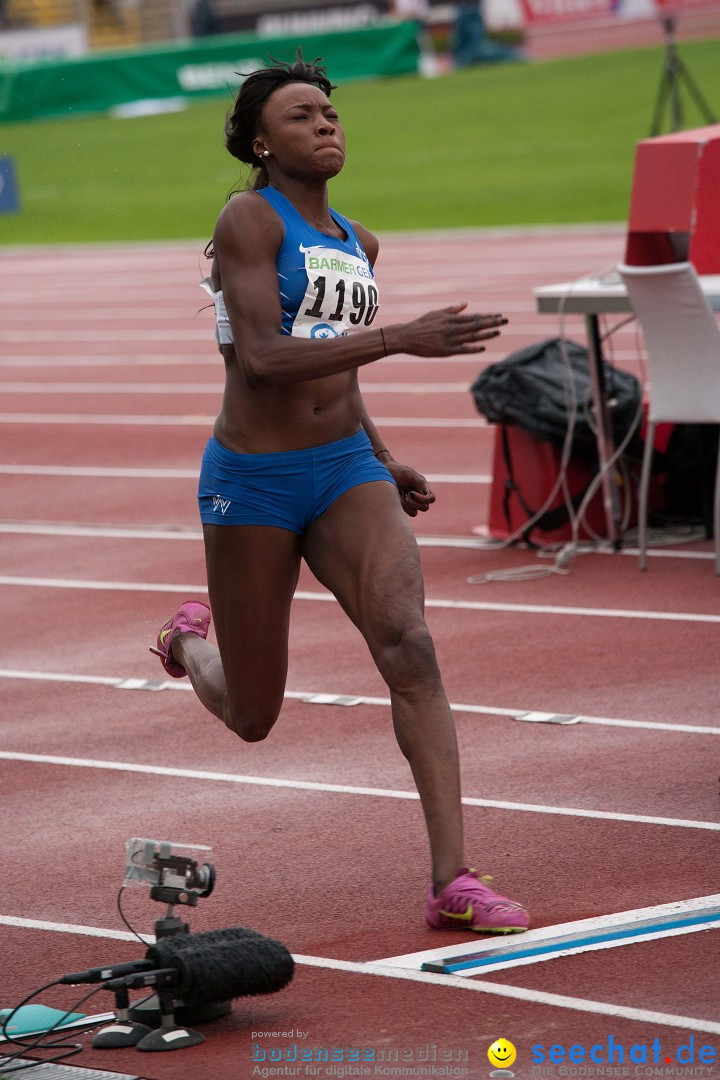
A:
[243,122]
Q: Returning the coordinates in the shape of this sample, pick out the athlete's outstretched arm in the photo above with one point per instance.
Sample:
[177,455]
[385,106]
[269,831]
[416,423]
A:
[247,238]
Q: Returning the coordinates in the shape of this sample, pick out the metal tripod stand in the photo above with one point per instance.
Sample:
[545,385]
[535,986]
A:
[675,71]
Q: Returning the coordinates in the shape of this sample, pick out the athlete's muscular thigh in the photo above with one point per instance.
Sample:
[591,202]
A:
[363,549]
[252,572]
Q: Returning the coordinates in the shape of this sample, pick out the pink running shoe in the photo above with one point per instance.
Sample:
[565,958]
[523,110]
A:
[468,903]
[191,617]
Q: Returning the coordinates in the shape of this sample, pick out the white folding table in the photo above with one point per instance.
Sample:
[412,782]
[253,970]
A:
[592,297]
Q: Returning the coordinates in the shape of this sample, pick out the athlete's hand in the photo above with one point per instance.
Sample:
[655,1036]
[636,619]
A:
[415,495]
[445,332]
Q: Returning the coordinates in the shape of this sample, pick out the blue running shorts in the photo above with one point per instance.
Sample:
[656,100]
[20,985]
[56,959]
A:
[290,489]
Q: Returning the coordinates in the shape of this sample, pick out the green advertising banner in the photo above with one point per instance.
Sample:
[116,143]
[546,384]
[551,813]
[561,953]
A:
[92,84]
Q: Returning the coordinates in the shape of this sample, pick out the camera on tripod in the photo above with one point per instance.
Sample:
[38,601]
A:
[195,976]
[176,875]
[174,878]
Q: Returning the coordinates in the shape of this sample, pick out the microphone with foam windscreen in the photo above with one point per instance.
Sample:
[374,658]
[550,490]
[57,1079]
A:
[115,971]
[214,966]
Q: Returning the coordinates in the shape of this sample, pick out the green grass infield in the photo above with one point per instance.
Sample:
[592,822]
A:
[496,145]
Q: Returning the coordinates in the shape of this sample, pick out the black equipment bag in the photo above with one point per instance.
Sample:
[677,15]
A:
[530,388]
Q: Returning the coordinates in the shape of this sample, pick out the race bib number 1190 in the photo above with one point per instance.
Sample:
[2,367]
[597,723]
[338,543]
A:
[341,294]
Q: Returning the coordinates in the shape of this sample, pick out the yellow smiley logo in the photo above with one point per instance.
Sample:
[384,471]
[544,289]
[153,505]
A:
[502,1053]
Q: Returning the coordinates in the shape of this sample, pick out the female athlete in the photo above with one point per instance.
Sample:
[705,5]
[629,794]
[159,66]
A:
[296,469]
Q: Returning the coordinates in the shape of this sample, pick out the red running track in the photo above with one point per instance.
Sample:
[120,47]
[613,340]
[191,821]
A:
[109,384]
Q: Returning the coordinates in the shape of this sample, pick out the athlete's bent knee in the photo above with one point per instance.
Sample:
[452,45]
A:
[410,662]
[251,725]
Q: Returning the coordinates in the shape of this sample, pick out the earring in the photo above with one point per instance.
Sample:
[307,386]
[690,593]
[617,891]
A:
[266,153]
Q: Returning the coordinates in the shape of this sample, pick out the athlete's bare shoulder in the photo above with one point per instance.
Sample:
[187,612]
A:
[368,240]
[248,219]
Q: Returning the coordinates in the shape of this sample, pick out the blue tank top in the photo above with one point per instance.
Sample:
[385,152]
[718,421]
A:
[327,286]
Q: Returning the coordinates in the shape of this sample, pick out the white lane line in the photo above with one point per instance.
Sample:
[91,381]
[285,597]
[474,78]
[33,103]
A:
[172,336]
[312,696]
[202,359]
[610,942]
[568,939]
[117,586]
[168,389]
[130,473]
[100,471]
[106,532]
[598,941]
[192,420]
[189,532]
[345,789]
[114,360]
[499,990]
[71,928]
[520,993]
[326,597]
[660,553]
[63,311]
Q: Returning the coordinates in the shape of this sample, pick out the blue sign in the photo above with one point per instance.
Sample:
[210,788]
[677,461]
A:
[8,188]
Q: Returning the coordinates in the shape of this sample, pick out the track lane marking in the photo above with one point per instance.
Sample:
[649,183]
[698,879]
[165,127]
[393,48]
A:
[112,360]
[362,699]
[124,682]
[346,789]
[59,310]
[593,943]
[171,336]
[130,473]
[208,388]
[194,420]
[326,597]
[202,360]
[54,335]
[501,990]
[569,939]
[128,532]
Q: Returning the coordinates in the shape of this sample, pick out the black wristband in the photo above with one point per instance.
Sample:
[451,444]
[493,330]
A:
[382,335]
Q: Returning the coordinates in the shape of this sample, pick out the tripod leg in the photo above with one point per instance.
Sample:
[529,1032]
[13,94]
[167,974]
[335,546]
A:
[660,105]
[695,94]
[676,110]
